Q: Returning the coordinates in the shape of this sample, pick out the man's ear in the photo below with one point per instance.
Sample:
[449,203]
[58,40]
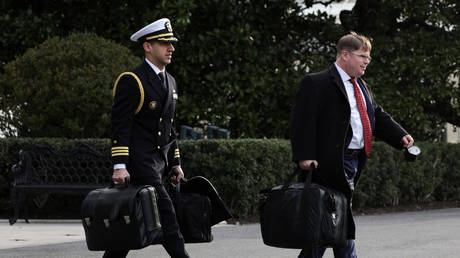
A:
[147,46]
[344,55]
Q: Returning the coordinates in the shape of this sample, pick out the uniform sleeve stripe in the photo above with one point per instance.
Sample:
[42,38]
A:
[120,148]
[120,154]
[120,151]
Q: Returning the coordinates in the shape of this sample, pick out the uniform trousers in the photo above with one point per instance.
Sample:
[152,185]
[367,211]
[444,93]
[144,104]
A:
[173,241]
[350,165]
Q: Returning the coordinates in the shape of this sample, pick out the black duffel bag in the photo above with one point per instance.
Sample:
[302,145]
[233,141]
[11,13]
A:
[304,215]
[121,218]
[193,212]
[198,207]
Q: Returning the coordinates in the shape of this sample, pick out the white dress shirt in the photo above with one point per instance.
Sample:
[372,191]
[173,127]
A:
[357,139]
[155,69]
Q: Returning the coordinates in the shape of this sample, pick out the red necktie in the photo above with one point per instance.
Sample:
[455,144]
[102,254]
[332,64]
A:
[367,131]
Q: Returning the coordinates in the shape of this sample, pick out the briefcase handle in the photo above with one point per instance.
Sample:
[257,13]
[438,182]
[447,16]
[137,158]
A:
[124,185]
[299,171]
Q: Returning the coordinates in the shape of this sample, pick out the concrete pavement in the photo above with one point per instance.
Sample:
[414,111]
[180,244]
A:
[39,232]
[434,233]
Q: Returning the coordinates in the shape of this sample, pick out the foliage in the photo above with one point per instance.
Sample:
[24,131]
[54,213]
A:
[25,24]
[416,45]
[63,87]
[239,169]
[238,62]
[388,180]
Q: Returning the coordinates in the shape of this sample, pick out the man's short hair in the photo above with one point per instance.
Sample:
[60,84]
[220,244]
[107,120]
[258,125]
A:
[352,42]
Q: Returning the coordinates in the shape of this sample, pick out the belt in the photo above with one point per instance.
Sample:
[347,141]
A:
[353,152]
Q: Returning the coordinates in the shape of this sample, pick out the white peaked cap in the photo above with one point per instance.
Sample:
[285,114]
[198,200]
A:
[160,30]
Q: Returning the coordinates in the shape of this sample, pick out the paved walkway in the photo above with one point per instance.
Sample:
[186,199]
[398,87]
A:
[434,233]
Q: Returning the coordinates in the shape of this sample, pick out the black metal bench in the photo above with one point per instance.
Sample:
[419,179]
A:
[43,169]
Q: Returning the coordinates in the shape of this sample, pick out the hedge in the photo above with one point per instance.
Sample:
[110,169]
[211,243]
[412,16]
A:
[63,87]
[240,168]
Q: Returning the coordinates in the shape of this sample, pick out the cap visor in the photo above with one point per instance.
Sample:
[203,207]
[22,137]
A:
[169,39]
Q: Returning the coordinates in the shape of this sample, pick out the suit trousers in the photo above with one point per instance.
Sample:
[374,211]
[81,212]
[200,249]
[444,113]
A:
[173,241]
[350,165]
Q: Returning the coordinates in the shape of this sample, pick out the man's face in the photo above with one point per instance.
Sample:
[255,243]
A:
[161,53]
[357,61]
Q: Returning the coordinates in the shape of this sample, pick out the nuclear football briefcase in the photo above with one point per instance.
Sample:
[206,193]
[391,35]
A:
[121,218]
[304,215]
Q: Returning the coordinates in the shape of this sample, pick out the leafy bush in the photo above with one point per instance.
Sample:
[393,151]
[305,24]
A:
[234,60]
[239,169]
[241,73]
[388,180]
[63,87]
[237,60]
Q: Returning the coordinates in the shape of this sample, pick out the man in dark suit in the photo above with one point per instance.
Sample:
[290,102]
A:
[333,120]
[144,145]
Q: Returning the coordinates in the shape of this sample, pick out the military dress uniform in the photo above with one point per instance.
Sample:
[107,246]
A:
[143,133]
[143,128]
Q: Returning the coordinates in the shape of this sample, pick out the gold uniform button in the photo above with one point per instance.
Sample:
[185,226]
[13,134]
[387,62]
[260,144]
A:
[172,120]
[159,133]
[159,147]
[161,119]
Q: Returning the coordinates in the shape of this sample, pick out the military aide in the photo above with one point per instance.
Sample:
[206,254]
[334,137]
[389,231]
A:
[144,145]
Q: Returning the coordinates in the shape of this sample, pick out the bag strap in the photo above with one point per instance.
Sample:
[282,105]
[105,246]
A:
[177,199]
[311,170]
[298,171]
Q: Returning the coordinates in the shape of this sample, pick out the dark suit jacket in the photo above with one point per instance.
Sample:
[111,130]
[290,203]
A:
[320,128]
[143,121]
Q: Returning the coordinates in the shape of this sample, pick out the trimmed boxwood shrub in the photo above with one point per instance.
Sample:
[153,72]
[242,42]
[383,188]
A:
[239,169]
[63,87]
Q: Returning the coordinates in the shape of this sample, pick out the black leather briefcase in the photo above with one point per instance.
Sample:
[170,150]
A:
[304,215]
[121,218]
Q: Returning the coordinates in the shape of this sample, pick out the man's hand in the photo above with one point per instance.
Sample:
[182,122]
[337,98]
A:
[305,164]
[119,176]
[176,173]
[407,141]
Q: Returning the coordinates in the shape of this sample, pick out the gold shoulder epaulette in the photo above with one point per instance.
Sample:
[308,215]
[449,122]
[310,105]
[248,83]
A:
[139,83]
